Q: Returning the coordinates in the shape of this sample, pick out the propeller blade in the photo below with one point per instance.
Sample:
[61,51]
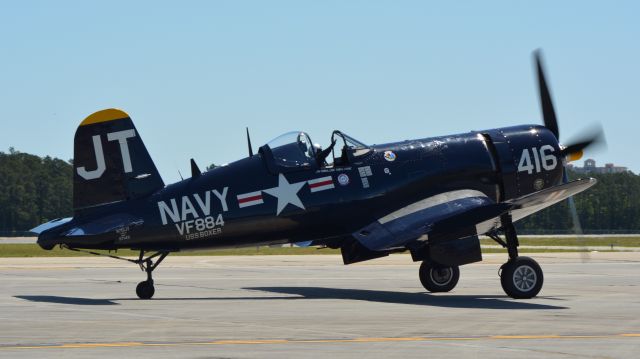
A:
[595,136]
[548,112]
[577,226]
[575,220]
[577,229]
[575,148]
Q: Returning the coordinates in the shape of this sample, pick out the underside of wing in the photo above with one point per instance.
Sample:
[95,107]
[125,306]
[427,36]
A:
[426,216]
[457,214]
[527,205]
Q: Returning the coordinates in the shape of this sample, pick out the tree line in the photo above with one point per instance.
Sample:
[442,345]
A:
[611,206]
[34,190]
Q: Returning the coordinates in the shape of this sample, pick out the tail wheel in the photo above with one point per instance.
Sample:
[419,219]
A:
[521,278]
[145,290]
[438,279]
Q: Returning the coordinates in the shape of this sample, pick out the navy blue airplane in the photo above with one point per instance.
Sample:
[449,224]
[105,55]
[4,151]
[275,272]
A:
[432,197]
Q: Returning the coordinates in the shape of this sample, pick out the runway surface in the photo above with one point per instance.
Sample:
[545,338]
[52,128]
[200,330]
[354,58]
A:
[313,306]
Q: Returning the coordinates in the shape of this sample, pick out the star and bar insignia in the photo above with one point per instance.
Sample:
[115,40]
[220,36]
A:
[285,192]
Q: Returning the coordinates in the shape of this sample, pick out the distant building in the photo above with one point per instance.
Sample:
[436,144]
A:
[590,167]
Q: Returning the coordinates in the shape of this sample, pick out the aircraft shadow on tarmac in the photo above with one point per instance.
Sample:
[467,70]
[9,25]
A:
[302,293]
[65,300]
[425,299]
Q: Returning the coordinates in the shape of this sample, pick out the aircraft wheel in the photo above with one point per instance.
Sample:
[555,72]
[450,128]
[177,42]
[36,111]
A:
[438,279]
[145,290]
[521,278]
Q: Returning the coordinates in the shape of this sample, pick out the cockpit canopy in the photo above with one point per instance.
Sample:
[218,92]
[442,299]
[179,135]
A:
[294,150]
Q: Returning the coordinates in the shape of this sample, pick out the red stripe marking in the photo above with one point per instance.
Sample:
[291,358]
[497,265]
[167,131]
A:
[250,199]
[320,184]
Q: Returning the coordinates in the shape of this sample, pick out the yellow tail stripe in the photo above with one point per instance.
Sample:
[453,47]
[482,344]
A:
[109,114]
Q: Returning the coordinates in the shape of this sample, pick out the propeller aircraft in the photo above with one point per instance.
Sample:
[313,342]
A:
[432,197]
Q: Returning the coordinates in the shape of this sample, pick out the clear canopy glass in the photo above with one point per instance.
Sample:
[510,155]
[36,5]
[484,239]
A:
[295,149]
[292,149]
[353,143]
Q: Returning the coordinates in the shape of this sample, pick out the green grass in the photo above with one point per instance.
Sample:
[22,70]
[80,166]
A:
[33,250]
[575,241]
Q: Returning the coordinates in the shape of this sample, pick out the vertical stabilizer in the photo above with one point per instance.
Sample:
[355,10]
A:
[110,161]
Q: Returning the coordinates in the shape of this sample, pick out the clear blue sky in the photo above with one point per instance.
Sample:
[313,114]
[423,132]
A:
[193,74]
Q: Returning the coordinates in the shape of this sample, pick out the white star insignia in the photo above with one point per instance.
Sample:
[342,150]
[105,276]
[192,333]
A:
[287,193]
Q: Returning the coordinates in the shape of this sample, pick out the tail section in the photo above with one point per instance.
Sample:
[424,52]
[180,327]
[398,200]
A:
[110,161]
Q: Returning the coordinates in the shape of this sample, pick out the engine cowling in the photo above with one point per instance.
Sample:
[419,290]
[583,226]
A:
[528,159]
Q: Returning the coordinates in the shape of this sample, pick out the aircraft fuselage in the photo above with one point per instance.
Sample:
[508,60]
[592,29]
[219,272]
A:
[248,203]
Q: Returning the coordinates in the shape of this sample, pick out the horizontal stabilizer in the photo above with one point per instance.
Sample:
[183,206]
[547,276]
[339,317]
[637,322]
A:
[106,224]
[51,224]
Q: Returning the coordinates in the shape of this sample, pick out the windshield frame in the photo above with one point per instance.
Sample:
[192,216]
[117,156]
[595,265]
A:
[351,151]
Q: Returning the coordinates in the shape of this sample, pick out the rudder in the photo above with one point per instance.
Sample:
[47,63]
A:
[111,163]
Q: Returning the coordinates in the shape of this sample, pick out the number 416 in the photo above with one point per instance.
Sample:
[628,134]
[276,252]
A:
[543,158]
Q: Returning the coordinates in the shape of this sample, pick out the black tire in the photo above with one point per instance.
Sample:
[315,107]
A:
[437,278]
[521,278]
[145,290]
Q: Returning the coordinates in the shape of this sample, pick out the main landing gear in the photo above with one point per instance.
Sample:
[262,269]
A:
[145,289]
[437,279]
[520,277]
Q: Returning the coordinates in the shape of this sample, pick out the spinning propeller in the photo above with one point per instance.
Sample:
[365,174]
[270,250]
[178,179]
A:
[572,151]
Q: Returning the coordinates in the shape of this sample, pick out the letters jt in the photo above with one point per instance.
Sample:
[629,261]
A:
[121,137]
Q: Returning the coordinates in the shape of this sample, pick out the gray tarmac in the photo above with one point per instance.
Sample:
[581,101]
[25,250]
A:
[18,240]
[313,306]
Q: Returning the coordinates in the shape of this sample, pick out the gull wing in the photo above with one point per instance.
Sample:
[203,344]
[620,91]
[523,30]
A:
[457,214]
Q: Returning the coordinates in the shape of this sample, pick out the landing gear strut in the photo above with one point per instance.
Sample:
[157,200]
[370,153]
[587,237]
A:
[520,277]
[145,289]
